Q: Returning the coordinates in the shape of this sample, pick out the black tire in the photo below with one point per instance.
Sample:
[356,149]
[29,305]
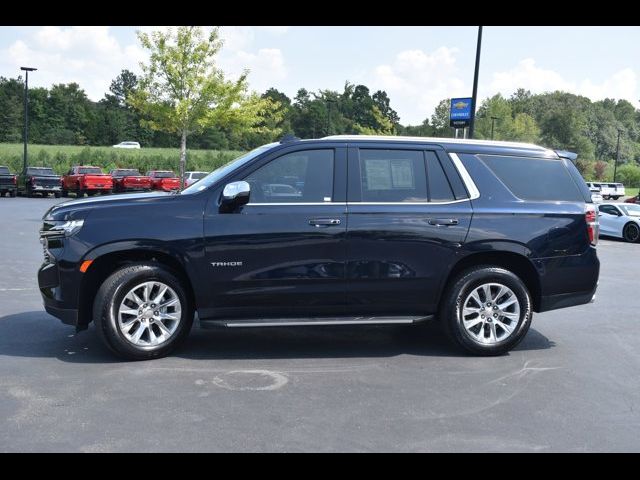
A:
[28,191]
[450,314]
[110,296]
[631,232]
[13,193]
[615,197]
[79,193]
[65,193]
[56,194]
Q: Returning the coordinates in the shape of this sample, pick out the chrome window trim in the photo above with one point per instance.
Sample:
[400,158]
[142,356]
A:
[262,204]
[466,178]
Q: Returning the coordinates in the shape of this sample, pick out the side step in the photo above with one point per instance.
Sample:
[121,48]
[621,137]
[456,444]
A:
[313,321]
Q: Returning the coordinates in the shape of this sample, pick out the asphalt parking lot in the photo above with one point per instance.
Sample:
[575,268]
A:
[572,385]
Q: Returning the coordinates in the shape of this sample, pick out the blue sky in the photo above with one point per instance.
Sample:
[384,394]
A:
[417,66]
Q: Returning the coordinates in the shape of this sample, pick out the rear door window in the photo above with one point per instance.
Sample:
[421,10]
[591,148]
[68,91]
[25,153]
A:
[537,179]
[390,176]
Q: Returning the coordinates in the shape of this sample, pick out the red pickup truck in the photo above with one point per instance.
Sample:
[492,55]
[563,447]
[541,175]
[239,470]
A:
[129,179]
[85,179]
[164,180]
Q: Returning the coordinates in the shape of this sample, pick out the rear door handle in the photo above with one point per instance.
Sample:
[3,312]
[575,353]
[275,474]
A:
[443,221]
[324,222]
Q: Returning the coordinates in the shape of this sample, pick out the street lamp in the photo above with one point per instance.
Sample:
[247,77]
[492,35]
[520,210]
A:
[475,84]
[26,112]
[615,167]
[493,119]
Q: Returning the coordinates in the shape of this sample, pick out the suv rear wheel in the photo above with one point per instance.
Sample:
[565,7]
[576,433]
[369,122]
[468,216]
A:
[486,310]
[142,312]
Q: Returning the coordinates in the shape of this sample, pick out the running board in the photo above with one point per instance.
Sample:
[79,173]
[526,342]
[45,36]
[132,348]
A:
[315,321]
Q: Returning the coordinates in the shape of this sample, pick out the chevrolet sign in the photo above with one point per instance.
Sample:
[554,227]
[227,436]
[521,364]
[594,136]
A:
[460,112]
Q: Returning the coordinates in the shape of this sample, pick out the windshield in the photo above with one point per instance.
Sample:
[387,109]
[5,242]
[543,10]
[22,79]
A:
[44,172]
[631,210]
[220,172]
[125,173]
[164,174]
[90,170]
[4,170]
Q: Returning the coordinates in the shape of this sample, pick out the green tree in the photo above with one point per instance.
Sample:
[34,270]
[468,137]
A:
[183,91]
[440,119]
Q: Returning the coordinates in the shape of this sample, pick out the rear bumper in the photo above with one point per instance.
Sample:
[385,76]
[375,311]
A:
[568,281]
[8,188]
[45,188]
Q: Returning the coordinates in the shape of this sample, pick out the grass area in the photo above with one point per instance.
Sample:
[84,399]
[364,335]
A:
[62,157]
[631,192]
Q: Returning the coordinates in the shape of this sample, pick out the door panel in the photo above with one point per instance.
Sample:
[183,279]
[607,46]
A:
[398,252]
[280,255]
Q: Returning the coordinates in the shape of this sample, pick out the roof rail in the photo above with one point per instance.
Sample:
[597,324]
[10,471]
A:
[289,138]
[568,155]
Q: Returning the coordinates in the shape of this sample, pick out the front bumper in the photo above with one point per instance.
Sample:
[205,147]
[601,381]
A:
[56,298]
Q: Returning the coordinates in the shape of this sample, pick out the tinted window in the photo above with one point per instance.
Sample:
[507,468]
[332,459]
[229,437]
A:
[91,171]
[393,176]
[44,172]
[126,173]
[609,209]
[439,188]
[577,177]
[305,176]
[534,178]
[164,174]
[4,170]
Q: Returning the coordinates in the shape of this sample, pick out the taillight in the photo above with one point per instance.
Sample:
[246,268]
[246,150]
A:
[15,180]
[591,217]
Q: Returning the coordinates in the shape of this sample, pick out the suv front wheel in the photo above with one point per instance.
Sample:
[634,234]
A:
[486,310]
[142,312]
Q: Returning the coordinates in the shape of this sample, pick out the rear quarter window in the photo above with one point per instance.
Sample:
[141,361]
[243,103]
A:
[538,179]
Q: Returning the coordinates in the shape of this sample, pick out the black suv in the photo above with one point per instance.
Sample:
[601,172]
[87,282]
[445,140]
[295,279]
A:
[341,230]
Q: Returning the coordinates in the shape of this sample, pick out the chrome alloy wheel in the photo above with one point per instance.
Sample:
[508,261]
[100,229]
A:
[490,313]
[149,314]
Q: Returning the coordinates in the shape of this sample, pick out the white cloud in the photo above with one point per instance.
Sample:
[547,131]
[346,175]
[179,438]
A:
[526,74]
[416,81]
[89,56]
[93,56]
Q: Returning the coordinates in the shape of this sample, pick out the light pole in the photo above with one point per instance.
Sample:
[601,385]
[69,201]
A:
[26,113]
[475,84]
[493,119]
[615,167]
[329,102]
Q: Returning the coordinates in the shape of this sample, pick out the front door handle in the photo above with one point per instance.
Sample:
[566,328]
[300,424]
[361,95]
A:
[443,221]
[324,222]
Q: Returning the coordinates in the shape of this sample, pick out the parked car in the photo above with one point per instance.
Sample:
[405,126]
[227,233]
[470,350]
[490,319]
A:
[127,145]
[280,190]
[129,179]
[39,180]
[83,179]
[8,182]
[165,180]
[635,199]
[609,190]
[620,220]
[596,192]
[192,177]
[386,230]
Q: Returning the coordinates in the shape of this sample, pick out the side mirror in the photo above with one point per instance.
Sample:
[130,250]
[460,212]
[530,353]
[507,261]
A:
[234,195]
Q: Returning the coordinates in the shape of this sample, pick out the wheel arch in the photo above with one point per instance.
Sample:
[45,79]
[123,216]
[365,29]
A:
[517,263]
[108,260]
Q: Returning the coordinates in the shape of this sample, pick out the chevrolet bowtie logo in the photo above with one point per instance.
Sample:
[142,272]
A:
[226,264]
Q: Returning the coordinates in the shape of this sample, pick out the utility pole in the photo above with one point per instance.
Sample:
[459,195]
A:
[615,167]
[26,113]
[493,119]
[475,84]
[329,102]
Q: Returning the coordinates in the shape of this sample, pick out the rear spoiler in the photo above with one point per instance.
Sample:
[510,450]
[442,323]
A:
[568,155]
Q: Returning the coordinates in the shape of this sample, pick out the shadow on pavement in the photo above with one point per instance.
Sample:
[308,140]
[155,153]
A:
[39,335]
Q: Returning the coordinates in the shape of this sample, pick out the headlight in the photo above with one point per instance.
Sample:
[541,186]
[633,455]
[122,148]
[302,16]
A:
[59,228]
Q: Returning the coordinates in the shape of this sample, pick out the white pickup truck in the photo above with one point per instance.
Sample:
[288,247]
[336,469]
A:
[608,190]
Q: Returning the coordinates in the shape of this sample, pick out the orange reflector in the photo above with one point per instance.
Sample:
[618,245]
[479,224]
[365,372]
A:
[85,265]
